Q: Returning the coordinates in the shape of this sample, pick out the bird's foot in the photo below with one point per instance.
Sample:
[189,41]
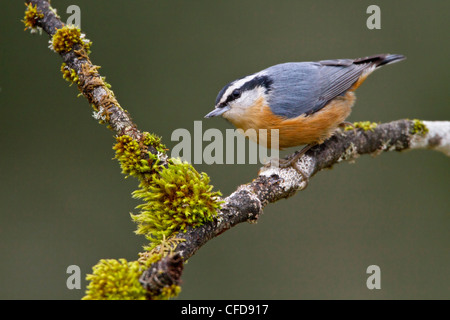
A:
[292,162]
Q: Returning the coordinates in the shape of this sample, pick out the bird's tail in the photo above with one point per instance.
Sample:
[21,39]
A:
[381,59]
[369,64]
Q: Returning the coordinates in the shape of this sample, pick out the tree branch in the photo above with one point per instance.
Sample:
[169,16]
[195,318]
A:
[272,184]
[90,82]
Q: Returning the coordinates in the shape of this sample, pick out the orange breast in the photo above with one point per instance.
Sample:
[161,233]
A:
[315,128]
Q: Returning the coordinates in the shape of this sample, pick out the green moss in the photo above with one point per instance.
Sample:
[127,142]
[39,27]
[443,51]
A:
[168,292]
[418,127]
[154,141]
[133,160]
[176,198]
[31,17]
[364,125]
[67,37]
[134,156]
[107,85]
[164,247]
[69,74]
[115,280]
[147,258]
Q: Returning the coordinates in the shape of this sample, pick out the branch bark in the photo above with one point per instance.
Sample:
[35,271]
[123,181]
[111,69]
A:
[273,184]
[246,204]
[91,84]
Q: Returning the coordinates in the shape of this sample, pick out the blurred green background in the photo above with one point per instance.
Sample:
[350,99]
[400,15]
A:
[63,200]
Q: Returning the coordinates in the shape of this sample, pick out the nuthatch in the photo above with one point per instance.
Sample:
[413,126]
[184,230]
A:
[305,101]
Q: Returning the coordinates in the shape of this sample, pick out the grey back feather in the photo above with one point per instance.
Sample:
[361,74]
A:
[306,87]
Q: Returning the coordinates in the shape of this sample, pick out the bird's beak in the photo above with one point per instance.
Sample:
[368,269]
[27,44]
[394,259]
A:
[217,112]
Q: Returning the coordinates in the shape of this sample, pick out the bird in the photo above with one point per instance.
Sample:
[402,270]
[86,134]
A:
[305,101]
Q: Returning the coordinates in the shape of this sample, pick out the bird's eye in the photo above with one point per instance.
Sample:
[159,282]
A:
[236,93]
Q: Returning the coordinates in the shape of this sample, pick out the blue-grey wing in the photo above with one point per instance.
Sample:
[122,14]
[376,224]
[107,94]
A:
[306,87]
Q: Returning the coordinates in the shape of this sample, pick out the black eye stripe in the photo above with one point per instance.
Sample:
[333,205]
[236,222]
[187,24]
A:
[261,81]
[233,96]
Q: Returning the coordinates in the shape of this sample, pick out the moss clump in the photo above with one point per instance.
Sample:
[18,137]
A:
[147,258]
[133,158]
[32,14]
[176,198]
[364,125]
[115,280]
[168,292]
[67,37]
[163,248]
[419,127]
[154,141]
[69,74]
